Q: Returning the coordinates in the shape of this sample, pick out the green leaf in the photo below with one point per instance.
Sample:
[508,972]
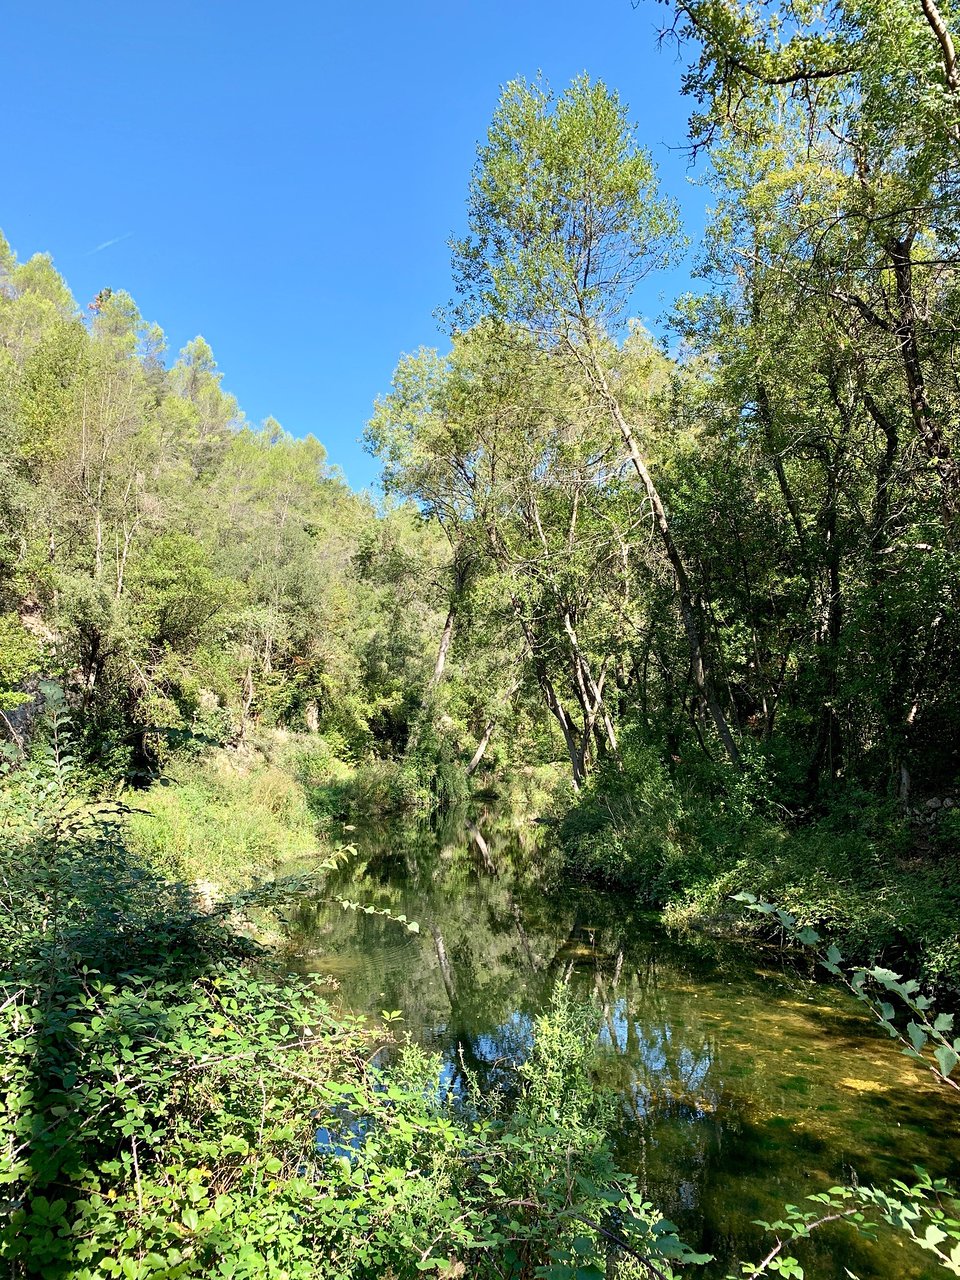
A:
[887,978]
[933,1236]
[947,1058]
[918,1037]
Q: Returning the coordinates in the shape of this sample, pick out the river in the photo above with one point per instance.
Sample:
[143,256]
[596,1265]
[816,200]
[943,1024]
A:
[743,1083]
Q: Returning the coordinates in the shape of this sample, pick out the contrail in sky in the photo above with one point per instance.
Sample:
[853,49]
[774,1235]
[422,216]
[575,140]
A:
[107,244]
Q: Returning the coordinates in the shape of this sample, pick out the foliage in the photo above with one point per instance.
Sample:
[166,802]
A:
[19,659]
[163,1088]
[225,819]
[565,216]
[926,1037]
[628,826]
[182,572]
[917,1211]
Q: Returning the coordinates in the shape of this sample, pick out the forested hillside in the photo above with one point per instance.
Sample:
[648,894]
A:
[179,568]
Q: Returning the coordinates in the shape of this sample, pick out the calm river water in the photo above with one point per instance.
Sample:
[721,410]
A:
[744,1085]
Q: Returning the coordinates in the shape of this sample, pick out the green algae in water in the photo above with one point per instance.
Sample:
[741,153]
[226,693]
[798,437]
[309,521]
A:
[797,1084]
[742,1087]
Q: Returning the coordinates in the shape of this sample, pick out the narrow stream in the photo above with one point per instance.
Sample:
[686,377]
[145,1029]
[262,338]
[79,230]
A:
[744,1085]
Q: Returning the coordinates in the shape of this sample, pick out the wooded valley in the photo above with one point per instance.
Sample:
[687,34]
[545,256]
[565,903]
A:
[690,600]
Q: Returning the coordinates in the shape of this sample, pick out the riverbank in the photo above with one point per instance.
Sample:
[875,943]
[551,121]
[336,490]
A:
[230,815]
[178,1105]
[868,877]
[859,873]
[901,913]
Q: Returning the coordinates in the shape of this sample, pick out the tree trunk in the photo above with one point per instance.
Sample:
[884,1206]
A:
[766,419]
[689,611]
[948,54]
[828,746]
[554,705]
[592,689]
[446,969]
[881,498]
[481,748]
[445,639]
[475,834]
[928,429]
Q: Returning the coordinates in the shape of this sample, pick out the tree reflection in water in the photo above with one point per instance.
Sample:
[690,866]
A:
[734,1095]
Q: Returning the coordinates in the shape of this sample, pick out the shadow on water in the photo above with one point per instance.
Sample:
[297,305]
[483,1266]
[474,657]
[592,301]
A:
[742,1087]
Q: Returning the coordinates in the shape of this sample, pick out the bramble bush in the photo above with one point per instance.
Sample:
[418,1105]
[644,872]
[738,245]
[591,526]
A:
[173,1106]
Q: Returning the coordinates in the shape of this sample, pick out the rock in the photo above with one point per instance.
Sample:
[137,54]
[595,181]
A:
[206,895]
[933,804]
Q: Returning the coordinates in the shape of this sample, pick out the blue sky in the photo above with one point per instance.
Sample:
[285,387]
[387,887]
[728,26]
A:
[283,178]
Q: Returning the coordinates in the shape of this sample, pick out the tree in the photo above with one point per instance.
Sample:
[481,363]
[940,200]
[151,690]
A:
[565,220]
[503,444]
[832,268]
[862,99]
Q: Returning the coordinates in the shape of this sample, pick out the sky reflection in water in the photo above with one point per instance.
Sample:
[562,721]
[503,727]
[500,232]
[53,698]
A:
[741,1087]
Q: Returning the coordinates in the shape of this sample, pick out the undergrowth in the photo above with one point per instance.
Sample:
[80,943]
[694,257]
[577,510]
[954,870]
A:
[175,1106]
[227,818]
[685,840]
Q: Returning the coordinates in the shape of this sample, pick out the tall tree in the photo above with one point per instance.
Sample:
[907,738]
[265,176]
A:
[565,220]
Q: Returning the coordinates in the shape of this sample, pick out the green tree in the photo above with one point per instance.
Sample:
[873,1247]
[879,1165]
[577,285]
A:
[565,220]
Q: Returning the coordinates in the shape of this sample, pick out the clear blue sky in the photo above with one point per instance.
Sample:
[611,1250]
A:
[283,177]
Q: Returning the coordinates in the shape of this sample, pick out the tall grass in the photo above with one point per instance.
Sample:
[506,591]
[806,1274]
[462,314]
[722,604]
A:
[226,819]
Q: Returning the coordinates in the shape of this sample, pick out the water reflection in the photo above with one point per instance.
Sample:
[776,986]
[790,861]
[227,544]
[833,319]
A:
[740,1088]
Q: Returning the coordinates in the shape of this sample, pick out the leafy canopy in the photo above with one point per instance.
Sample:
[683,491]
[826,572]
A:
[564,215]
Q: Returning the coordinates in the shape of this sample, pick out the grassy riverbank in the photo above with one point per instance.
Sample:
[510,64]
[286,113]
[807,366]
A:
[881,886]
[230,815]
[868,879]
[227,816]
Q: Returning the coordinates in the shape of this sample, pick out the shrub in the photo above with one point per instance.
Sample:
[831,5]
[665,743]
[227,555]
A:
[176,1108]
[626,826]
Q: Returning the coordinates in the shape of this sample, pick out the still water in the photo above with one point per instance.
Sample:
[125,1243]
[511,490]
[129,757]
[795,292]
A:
[743,1084]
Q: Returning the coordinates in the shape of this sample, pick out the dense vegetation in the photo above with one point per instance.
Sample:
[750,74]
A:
[727,578]
[163,1085]
[706,587]
[181,570]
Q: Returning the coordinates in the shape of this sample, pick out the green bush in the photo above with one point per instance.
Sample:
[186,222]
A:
[685,842]
[626,826]
[175,1107]
[19,660]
